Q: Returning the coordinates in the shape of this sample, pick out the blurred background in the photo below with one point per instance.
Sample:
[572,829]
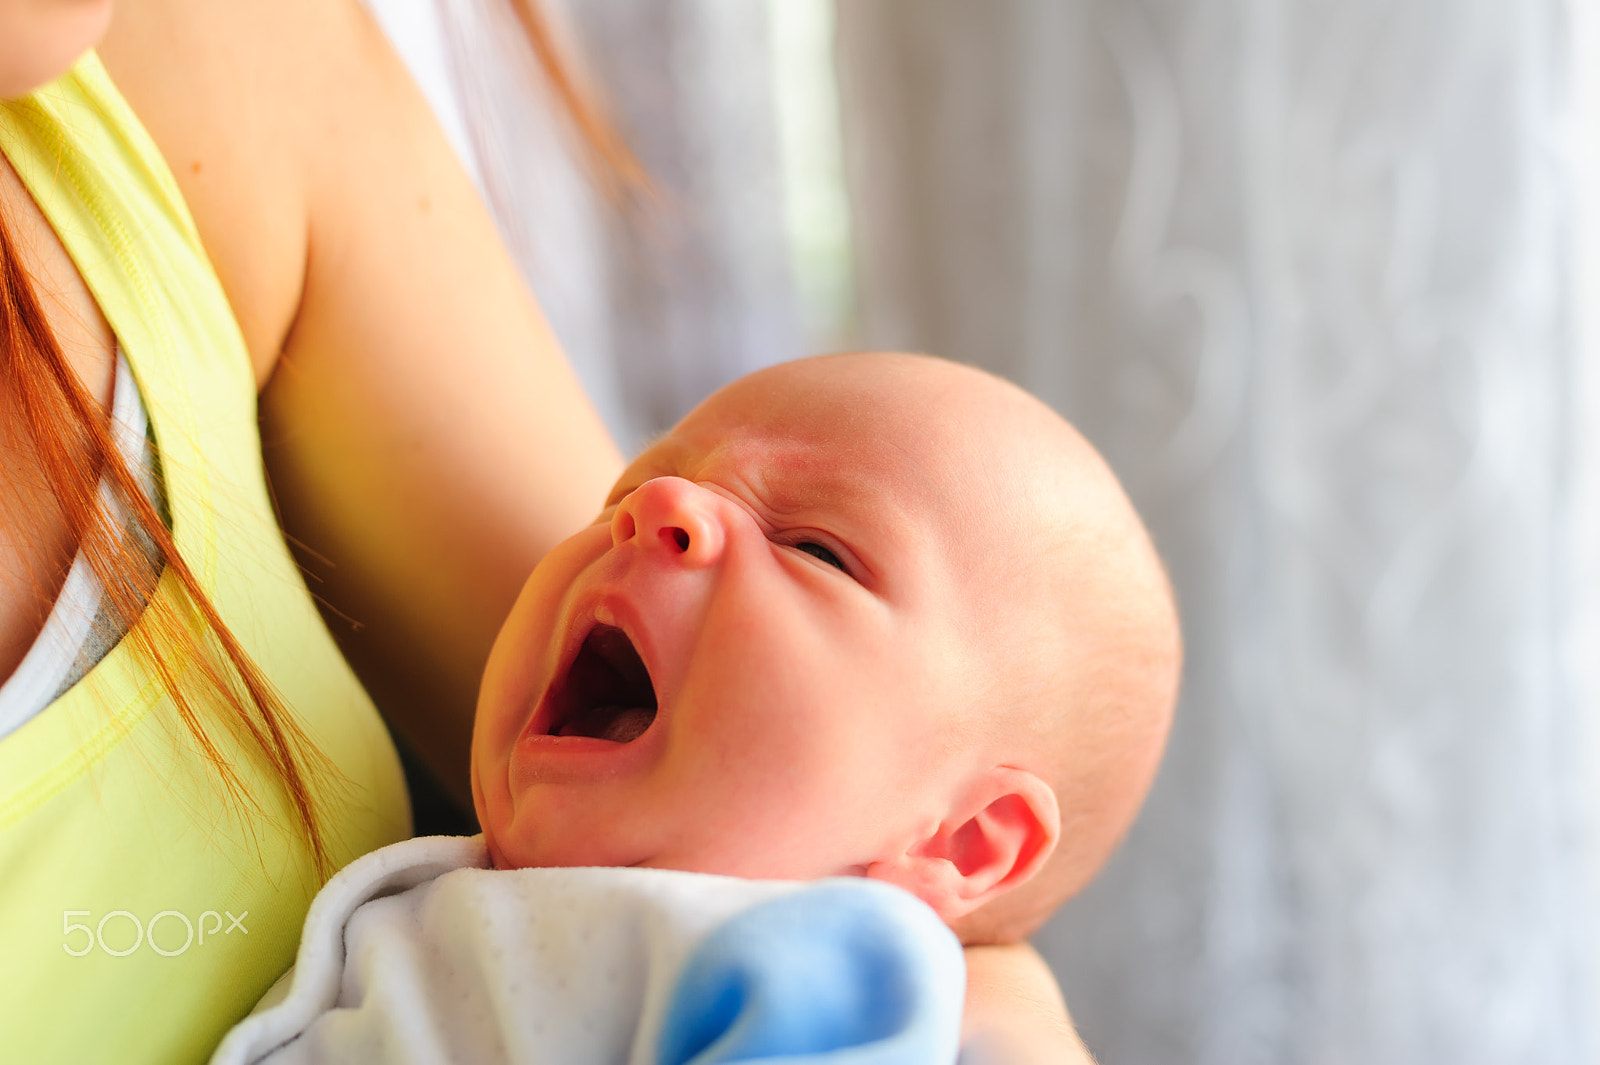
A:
[1316,276]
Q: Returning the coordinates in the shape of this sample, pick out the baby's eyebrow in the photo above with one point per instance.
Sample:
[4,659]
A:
[837,489]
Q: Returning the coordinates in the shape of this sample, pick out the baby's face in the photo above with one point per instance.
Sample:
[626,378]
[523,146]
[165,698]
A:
[751,663]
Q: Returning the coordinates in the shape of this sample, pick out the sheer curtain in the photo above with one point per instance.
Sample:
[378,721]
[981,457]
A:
[1305,270]
[662,307]
[1302,269]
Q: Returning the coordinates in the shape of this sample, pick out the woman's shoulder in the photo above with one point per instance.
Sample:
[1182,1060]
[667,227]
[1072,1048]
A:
[260,108]
[352,244]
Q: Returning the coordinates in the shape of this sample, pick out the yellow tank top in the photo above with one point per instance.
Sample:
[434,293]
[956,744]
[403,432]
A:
[141,913]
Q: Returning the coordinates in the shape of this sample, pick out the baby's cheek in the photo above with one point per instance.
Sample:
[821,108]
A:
[494,731]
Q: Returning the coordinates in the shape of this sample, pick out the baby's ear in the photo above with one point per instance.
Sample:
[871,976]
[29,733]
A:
[997,834]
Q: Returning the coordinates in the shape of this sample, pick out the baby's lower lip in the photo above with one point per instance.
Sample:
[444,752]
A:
[560,744]
[541,757]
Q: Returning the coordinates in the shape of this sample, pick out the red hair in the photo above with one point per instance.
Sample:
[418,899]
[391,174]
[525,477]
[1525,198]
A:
[182,639]
[616,168]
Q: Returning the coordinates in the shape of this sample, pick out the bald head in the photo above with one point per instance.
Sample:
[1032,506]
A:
[1086,641]
[1066,598]
[1017,622]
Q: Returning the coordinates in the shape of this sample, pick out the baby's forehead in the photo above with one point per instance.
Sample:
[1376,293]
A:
[966,448]
[869,409]
[787,471]
[977,451]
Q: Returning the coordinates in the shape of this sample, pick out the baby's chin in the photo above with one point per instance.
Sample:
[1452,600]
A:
[512,852]
[493,814]
[510,849]
[525,840]
[496,858]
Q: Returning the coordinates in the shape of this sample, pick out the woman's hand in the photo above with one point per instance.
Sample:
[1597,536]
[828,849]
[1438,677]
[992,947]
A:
[1015,1014]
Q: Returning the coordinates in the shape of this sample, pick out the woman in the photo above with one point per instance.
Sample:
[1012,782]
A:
[281,217]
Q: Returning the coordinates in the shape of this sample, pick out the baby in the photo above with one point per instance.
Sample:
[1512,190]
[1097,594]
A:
[871,616]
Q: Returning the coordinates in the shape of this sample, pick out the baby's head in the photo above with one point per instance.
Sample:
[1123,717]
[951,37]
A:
[876,615]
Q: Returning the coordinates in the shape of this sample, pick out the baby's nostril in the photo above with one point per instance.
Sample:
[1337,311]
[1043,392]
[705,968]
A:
[677,536]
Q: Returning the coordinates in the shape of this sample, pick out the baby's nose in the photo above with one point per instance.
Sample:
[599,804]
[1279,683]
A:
[672,515]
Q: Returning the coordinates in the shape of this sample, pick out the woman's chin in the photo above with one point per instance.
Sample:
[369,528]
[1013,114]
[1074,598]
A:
[39,43]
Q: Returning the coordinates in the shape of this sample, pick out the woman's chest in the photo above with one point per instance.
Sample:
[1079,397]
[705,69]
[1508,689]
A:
[37,541]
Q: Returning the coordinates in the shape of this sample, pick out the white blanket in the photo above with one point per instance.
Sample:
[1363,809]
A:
[420,953]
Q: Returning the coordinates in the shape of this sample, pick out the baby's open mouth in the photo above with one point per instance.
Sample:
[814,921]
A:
[606,693]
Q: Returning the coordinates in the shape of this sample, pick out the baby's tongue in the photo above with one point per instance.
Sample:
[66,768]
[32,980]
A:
[629,725]
[614,723]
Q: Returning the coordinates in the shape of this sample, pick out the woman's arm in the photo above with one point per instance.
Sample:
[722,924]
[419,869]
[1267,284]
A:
[425,440]
[1015,1014]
